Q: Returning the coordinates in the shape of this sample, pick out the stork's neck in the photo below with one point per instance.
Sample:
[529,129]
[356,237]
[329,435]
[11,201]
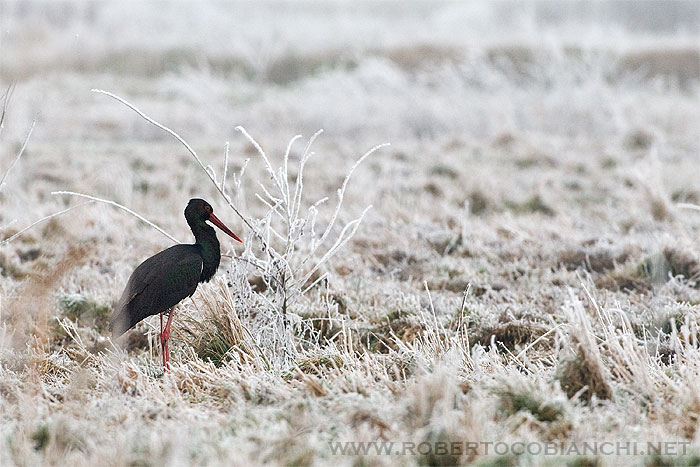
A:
[205,238]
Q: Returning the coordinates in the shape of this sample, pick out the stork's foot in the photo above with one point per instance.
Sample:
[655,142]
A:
[166,364]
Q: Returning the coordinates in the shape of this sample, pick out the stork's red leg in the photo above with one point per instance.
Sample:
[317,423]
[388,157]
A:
[162,341]
[166,334]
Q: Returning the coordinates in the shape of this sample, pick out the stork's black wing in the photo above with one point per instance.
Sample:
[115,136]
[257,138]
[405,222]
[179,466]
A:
[157,284]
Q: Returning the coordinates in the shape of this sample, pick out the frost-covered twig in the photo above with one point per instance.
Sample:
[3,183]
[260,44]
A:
[694,207]
[19,154]
[123,208]
[286,166]
[339,243]
[341,195]
[266,160]
[7,95]
[186,145]
[223,179]
[45,218]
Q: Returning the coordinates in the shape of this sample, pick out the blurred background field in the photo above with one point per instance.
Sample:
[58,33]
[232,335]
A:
[544,155]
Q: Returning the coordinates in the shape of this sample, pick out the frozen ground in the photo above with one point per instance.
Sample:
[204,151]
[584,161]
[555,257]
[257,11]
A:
[543,157]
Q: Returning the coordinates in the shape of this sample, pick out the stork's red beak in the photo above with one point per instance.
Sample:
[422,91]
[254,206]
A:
[215,220]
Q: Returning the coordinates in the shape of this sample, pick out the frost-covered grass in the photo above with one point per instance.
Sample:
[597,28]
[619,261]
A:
[529,270]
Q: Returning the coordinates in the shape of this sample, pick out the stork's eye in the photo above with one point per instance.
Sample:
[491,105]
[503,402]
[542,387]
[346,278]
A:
[208,209]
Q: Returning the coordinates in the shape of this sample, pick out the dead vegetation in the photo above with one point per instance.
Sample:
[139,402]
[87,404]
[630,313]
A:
[510,332]
[581,377]
[591,261]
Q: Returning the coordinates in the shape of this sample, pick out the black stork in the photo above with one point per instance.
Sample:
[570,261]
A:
[163,280]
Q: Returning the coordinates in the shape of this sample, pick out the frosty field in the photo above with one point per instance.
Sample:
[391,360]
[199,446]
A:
[526,282]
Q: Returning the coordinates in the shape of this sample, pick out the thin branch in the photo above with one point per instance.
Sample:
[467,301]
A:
[262,269]
[286,171]
[688,206]
[299,185]
[311,218]
[268,164]
[184,143]
[9,239]
[212,175]
[339,243]
[341,194]
[313,284]
[7,95]
[19,154]
[237,180]
[277,201]
[123,208]
[223,180]
[273,209]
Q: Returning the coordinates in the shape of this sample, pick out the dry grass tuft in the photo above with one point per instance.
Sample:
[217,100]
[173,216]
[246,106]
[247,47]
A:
[581,376]
[625,280]
[669,263]
[214,331]
[389,336]
[534,204]
[511,332]
[11,268]
[515,397]
[592,261]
